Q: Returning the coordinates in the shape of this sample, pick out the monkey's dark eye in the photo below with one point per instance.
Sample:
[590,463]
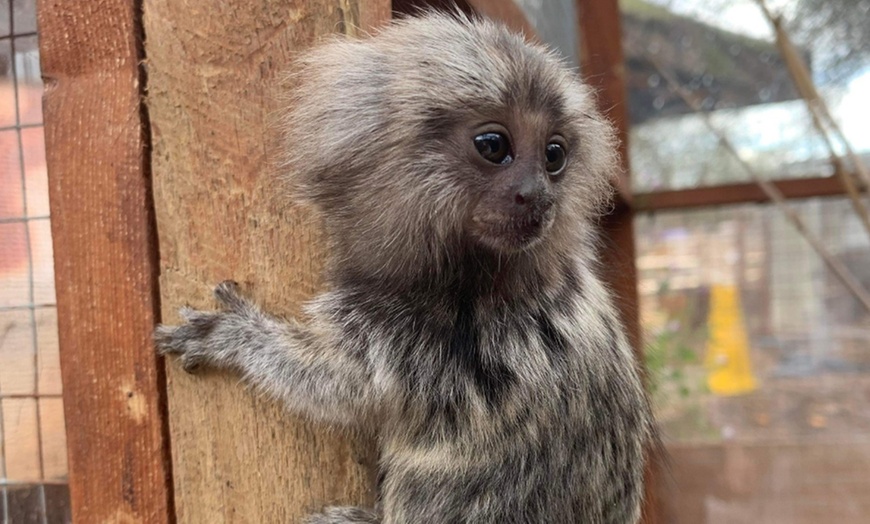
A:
[494,147]
[556,157]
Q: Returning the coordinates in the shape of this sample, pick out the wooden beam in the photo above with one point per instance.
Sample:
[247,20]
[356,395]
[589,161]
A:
[105,261]
[602,65]
[729,194]
[214,68]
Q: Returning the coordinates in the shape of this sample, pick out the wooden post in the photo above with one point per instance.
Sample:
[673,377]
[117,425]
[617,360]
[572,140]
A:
[105,261]
[213,68]
[603,67]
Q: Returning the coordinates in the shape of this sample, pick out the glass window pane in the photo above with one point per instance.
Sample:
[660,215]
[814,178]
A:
[53,436]
[17,376]
[758,363]
[29,80]
[21,436]
[725,54]
[14,277]
[49,354]
[33,465]
[35,172]
[11,201]
[43,262]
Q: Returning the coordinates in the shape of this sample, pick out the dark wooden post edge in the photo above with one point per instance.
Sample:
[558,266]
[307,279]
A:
[602,65]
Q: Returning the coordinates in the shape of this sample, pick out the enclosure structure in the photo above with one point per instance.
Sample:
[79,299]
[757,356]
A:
[33,455]
[159,150]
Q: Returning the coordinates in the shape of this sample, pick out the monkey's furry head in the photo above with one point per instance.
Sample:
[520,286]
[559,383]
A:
[442,135]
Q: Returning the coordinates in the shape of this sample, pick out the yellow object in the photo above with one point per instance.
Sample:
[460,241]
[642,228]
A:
[727,360]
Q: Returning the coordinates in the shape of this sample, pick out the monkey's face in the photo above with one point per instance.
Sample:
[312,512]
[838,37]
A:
[516,156]
[514,202]
[508,151]
[441,133]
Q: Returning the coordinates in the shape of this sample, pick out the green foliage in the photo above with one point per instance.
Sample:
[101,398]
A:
[666,357]
[674,362]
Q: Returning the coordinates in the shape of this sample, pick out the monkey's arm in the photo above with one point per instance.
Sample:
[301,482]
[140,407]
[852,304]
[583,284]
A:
[287,360]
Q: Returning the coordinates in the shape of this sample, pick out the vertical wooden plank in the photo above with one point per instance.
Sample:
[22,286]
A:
[105,261]
[603,67]
[213,69]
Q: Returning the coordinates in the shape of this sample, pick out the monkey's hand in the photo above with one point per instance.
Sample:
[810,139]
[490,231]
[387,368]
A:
[310,369]
[211,338]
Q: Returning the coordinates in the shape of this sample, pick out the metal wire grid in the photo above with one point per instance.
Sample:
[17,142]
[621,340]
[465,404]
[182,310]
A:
[803,324]
[801,435]
[30,307]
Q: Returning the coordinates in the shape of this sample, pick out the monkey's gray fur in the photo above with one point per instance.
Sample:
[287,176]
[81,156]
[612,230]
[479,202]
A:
[465,322]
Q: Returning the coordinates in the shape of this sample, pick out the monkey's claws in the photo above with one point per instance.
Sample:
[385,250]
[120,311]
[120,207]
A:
[206,336]
[230,296]
[190,340]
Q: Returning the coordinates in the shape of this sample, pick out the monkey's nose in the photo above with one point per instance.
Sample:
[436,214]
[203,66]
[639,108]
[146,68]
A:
[527,191]
[521,198]
[530,195]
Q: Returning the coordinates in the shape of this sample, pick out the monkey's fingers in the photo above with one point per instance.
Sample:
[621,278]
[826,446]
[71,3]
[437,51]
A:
[229,294]
[191,363]
[197,317]
[164,341]
[170,340]
[184,341]
[188,337]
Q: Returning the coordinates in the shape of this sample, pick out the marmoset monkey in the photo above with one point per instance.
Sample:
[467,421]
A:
[459,170]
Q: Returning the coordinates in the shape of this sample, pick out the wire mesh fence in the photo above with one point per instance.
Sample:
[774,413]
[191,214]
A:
[33,467]
[757,355]
[758,363]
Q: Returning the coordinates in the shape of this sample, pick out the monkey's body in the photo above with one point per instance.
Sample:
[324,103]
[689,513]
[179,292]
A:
[503,408]
[465,323]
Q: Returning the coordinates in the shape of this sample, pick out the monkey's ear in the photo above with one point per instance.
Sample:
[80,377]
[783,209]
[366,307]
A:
[333,117]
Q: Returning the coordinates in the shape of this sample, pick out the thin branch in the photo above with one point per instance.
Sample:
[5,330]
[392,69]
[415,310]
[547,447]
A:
[773,193]
[820,114]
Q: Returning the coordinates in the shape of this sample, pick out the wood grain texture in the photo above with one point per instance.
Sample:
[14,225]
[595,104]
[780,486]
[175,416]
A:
[105,261]
[739,193]
[213,67]
[603,68]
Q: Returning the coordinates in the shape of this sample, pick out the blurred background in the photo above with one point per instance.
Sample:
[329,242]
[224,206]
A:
[758,355]
[33,467]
